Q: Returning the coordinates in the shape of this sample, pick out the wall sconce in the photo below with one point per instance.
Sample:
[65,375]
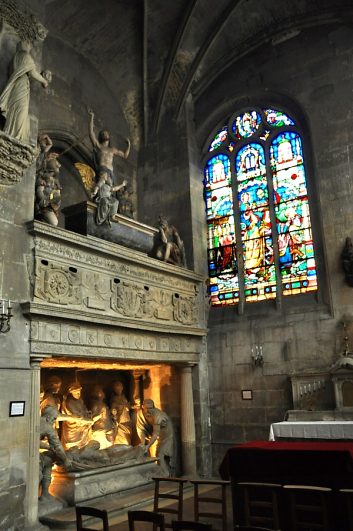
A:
[5,316]
[257,355]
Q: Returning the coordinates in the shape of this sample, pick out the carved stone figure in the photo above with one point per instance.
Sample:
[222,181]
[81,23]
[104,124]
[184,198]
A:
[119,406]
[169,247]
[103,429]
[14,100]
[54,451]
[78,431]
[105,188]
[156,426]
[51,395]
[126,207]
[347,261]
[48,188]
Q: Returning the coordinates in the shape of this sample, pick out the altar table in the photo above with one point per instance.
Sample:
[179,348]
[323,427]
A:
[324,430]
[328,463]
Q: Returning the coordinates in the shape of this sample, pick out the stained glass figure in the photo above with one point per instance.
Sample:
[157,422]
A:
[219,139]
[273,155]
[277,118]
[295,243]
[246,124]
[255,223]
[223,271]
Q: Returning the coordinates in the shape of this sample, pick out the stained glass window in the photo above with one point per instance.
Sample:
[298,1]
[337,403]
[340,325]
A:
[260,245]
[224,287]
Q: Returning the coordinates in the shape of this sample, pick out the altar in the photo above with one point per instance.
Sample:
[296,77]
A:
[320,430]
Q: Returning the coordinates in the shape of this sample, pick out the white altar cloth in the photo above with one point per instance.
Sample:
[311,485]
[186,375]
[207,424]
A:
[312,430]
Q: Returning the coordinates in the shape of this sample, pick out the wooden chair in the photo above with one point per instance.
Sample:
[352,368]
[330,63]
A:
[309,507]
[220,500]
[257,504]
[93,513]
[178,497]
[344,509]
[146,516]
[187,525]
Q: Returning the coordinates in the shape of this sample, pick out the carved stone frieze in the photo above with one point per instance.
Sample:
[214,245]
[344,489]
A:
[82,279]
[48,247]
[57,284]
[58,338]
[129,299]
[16,157]
[185,310]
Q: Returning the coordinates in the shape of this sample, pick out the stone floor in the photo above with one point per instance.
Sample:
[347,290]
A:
[117,508]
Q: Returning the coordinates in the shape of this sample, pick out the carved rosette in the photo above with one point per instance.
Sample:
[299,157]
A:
[58,285]
[16,157]
[184,310]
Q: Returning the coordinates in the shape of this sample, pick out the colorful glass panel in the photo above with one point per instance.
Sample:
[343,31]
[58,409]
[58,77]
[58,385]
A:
[291,212]
[277,118]
[223,271]
[255,223]
[246,124]
[295,244]
[218,140]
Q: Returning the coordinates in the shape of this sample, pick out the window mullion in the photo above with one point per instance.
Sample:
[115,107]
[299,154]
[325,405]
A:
[239,242]
[279,296]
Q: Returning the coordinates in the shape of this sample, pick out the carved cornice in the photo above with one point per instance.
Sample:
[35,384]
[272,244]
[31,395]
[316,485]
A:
[16,157]
[36,310]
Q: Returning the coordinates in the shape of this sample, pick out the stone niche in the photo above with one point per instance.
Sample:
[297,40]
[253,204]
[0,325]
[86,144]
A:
[99,310]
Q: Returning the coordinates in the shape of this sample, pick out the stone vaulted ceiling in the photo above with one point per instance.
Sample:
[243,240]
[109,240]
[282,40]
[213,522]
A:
[170,48]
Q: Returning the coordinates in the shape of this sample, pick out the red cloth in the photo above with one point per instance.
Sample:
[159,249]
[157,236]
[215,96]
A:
[317,463]
[299,445]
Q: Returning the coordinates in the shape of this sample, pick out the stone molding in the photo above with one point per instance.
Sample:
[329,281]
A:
[50,338]
[16,157]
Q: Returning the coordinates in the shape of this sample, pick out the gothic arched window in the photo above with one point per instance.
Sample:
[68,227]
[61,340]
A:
[259,230]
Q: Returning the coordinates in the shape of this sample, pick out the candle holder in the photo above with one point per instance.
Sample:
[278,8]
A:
[5,316]
[257,355]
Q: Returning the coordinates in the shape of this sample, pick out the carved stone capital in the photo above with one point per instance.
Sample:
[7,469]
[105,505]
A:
[16,157]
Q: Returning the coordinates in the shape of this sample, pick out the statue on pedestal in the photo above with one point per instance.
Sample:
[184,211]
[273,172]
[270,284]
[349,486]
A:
[48,188]
[156,426]
[103,193]
[14,100]
[169,247]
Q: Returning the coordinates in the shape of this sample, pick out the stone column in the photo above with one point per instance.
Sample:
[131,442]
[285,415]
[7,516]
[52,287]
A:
[138,390]
[32,483]
[188,439]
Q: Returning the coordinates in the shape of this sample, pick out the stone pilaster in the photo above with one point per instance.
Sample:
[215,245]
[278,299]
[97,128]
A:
[188,439]
[31,500]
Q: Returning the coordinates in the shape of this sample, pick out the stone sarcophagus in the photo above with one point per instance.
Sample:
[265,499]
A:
[76,487]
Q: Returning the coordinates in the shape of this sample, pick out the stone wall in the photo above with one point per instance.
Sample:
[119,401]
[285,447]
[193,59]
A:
[311,73]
